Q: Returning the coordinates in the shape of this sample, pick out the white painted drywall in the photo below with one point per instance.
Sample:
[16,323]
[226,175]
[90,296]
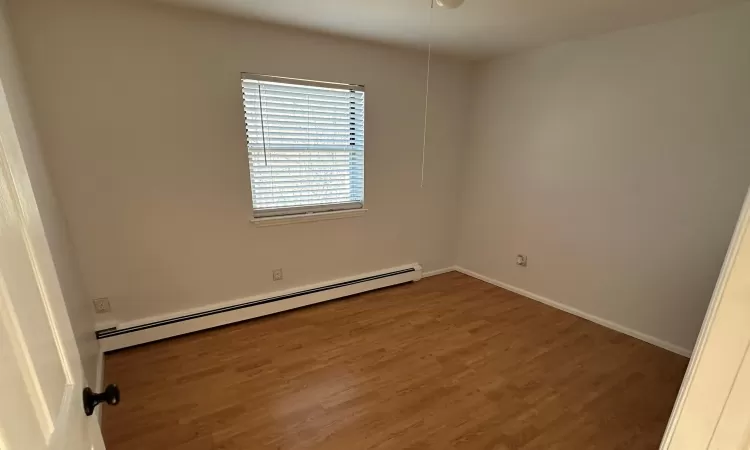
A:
[79,309]
[479,28]
[618,164]
[139,105]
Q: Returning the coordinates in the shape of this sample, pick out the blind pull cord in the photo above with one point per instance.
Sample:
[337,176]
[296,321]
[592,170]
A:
[427,90]
[262,125]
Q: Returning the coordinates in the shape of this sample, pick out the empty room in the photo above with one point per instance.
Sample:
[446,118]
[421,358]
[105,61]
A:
[383,224]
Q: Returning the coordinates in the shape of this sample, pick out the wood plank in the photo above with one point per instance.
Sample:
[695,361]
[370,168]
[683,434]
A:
[447,362]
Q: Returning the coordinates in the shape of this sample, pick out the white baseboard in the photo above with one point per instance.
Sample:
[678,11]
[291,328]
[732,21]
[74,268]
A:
[151,329]
[174,329]
[100,325]
[432,273]
[577,312]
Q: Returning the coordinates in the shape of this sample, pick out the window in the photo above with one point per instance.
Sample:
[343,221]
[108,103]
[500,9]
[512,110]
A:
[305,145]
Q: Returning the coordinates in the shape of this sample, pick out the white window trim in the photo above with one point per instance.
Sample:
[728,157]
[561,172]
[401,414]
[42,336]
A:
[307,217]
[311,209]
[307,213]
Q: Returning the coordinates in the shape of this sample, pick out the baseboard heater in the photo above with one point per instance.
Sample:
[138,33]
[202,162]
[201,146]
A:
[157,328]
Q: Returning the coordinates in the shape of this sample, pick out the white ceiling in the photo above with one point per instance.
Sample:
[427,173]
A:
[477,29]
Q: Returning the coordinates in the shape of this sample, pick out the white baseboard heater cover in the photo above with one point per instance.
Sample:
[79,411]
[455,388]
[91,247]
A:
[154,329]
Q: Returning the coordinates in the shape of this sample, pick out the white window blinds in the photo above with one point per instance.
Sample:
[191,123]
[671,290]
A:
[305,144]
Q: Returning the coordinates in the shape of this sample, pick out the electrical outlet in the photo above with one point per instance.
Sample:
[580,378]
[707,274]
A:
[521,260]
[102,306]
[278,275]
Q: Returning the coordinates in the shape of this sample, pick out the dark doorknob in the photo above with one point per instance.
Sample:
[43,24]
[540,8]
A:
[110,396]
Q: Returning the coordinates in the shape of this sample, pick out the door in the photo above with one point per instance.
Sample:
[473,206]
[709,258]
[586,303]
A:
[713,408]
[41,378]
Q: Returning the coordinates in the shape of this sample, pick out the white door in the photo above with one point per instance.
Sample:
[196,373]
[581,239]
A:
[41,378]
[713,408]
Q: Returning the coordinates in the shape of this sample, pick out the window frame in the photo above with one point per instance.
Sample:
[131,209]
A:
[329,210]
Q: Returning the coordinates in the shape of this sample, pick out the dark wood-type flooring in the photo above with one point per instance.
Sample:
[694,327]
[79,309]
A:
[447,362]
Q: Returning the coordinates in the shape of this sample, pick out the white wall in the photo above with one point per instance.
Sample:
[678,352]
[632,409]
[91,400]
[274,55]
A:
[76,300]
[139,107]
[618,164]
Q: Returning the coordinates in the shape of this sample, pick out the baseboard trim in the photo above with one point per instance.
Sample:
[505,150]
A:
[183,322]
[432,273]
[582,314]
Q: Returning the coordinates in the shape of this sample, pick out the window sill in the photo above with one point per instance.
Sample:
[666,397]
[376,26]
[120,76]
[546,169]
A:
[309,217]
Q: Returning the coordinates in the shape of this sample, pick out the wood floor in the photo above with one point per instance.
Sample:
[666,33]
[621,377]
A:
[447,362]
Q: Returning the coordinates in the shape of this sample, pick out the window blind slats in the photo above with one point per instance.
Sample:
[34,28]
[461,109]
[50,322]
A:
[313,140]
[283,168]
[314,172]
[279,101]
[310,100]
[292,128]
[329,124]
[312,146]
[292,156]
[305,145]
[271,190]
[286,147]
[303,118]
[291,203]
[316,129]
[296,182]
[295,196]
[309,111]
[306,176]
[337,131]
[290,104]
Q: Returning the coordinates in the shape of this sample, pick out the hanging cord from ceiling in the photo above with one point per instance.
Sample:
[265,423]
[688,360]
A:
[427,91]
[447,4]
